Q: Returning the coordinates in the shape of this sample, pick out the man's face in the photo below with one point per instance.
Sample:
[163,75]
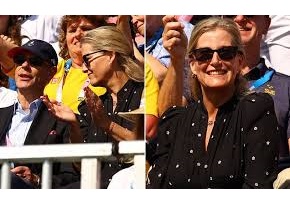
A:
[252,27]
[31,72]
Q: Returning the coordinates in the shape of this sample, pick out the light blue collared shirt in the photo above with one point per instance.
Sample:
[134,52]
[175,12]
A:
[21,122]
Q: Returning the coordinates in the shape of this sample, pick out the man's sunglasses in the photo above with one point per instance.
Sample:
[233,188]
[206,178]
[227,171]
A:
[87,60]
[206,54]
[33,60]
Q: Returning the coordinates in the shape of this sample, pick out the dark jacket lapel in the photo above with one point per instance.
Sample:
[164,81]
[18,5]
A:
[6,115]
[41,126]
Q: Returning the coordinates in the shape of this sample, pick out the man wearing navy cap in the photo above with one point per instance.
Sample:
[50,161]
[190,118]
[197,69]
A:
[28,122]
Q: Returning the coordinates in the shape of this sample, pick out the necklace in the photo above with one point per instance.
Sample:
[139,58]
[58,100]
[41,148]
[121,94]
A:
[209,123]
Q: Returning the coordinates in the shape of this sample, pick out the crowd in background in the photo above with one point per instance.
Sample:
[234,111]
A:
[213,91]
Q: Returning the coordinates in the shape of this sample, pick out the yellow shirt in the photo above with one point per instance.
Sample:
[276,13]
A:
[151,92]
[71,94]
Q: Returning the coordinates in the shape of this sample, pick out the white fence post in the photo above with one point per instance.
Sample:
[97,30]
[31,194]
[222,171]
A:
[90,173]
[139,162]
[5,176]
[46,174]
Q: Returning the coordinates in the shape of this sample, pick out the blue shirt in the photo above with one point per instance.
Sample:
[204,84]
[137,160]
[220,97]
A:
[154,46]
[21,122]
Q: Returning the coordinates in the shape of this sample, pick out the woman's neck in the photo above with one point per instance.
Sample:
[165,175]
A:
[214,99]
[77,60]
[117,82]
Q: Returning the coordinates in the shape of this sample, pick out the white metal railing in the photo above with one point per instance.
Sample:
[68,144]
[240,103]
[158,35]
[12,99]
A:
[88,154]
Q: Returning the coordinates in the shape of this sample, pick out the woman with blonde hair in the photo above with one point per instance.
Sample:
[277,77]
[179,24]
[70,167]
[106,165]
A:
[109,63]
[225,138]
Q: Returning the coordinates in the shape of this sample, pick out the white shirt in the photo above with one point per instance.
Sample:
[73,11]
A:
[124,179]
[21,122]
[42,27]
[7,97]
[275,47]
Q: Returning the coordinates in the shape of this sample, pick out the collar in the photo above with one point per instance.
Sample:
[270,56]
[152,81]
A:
[257,72]
[150,45]
[33,106]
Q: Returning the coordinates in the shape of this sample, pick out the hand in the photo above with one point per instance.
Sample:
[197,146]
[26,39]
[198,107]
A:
[25,173]
[59,110]
[6,44]
[96,108]
[174,38]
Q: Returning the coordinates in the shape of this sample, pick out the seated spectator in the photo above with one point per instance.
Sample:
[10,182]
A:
[226,138]
[108,62]
[28,121]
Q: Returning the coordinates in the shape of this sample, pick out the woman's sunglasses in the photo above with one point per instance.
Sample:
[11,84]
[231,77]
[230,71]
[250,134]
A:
[206,54]
[87,60]
[33,60]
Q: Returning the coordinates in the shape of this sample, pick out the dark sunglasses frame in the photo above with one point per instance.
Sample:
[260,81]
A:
[206,54]
[33,60]
[86,59]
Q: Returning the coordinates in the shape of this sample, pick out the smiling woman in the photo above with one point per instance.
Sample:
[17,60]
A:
[68,83]
[222,139]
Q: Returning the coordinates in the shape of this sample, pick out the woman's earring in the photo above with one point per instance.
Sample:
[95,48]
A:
[194,76]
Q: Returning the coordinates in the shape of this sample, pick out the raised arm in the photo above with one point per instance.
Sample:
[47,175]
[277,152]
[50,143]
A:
[175,42]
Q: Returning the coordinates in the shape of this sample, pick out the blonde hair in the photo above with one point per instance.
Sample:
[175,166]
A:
[110,38]
[211,24]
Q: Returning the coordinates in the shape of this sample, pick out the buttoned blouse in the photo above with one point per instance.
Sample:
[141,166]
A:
[129,98]
[242,150]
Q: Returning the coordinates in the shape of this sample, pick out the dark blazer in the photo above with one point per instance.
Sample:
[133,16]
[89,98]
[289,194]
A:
[45,129]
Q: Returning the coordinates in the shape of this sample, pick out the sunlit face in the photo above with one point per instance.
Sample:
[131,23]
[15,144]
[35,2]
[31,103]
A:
[97,65]
[216,73]
[252,27]
[32,76]
[139,23]
[75,32]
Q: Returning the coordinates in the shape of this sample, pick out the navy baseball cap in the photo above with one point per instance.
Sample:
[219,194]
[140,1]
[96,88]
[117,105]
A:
[39,48]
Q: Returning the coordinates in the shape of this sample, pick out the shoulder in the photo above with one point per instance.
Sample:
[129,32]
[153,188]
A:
[7,97]
[173,113]
[257,106]
[257,99]
[282,77]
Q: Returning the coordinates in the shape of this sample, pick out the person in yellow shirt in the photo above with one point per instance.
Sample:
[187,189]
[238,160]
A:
[68,83]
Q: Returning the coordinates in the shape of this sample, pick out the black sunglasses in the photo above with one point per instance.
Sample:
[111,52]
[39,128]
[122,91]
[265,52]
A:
[206,54]
[86,59]
[233,16]
[33,60]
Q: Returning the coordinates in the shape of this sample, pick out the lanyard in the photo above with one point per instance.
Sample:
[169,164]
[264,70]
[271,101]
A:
[261,81]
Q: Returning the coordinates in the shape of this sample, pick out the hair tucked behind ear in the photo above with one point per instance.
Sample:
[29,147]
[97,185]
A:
[109,38]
